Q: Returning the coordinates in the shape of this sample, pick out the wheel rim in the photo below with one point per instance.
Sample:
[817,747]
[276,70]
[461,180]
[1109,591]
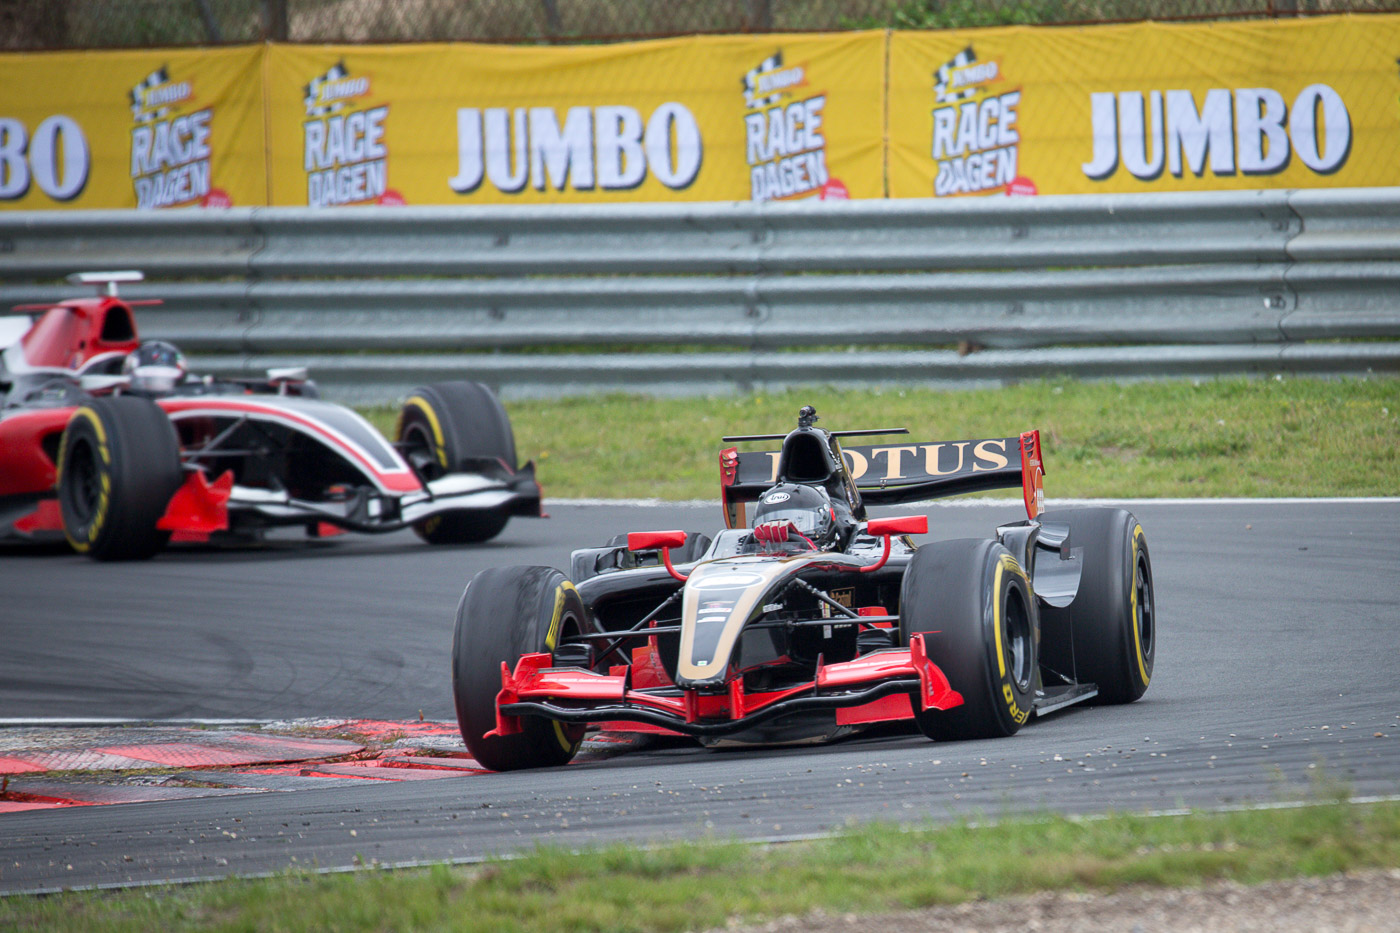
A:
[1146,611]
[84,481]
[420,450]
[1017,646]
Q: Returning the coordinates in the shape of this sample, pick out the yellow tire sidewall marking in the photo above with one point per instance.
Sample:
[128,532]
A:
[105,493]
[439,442]
[1133,589]
[551,639]
[1005,564]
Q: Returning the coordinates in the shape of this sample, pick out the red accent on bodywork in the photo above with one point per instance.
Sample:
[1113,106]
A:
[875,611]
[48,516]
[198,506]
[886,709]
[327,530]
[665,540]
[728,466]
[647,669]
[534,679]
[884,556]
[898,525]
[1032,474]
[70,334]
[728,474]
[934,689]
[24,466]
[650,540]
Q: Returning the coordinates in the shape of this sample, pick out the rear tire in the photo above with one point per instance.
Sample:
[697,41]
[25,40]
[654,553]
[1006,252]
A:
[506,612]
[970,600]
[443,424]
[1112,622]
[118,466]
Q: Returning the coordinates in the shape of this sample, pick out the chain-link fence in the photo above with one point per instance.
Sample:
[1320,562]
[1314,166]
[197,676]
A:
[73,24]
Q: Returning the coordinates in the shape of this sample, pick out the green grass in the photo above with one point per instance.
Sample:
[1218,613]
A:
[1229,437]
[696,886]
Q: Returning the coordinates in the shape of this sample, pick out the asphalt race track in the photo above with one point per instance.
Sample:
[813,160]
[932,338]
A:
[1276,678]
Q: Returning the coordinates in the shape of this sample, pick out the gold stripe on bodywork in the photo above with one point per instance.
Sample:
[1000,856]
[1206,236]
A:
[768,570]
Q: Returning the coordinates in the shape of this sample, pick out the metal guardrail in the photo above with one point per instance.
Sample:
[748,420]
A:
[1123,286]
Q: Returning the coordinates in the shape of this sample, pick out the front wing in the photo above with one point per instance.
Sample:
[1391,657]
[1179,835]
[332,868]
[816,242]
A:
[875,687]
[200,508]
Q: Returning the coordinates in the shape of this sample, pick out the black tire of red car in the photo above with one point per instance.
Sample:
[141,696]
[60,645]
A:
[506,612]
[442,425]
[970,600]
[118,466]
[1113,618]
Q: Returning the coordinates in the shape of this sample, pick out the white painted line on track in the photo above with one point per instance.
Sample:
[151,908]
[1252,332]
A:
[43,722]
[375,864]
[1003,503]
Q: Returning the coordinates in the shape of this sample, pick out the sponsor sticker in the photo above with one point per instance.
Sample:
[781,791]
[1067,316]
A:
[784,135]
[976,140]
[171,144]
[344,151]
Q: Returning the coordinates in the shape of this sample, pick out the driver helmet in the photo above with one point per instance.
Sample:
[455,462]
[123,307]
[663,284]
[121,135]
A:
[808,508]
[155,366]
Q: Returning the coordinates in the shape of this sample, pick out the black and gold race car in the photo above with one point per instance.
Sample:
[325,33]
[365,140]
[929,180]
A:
[803,620]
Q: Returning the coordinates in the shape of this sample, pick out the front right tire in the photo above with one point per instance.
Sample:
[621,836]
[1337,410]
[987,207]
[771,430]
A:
[442,425]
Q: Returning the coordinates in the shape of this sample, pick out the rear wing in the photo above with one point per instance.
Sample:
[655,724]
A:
[890,474]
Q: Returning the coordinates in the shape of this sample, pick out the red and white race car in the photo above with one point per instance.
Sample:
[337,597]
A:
[113,444]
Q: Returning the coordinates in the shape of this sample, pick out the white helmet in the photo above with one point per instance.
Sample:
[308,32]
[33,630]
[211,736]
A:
[155,366]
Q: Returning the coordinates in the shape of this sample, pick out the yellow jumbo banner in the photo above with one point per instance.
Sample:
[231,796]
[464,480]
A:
[1052,110]
[1146,107]
[694,119]
[132,129]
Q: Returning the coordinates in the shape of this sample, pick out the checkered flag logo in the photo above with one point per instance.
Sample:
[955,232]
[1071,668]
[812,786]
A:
[943,77]
[752,100]
[336,72]
[139,112]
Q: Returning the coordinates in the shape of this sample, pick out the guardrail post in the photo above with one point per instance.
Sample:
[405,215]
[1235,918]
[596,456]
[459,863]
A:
[274,20]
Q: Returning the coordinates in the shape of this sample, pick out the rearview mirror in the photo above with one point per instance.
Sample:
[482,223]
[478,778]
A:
[899,525]
[651,540]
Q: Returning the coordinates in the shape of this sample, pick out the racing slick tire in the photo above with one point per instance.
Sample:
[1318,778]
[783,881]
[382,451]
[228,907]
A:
[118,466]
[439,426]
[1112,622]
[506,612]
[970,600]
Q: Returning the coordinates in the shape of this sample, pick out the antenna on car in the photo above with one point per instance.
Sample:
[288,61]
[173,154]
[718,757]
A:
[106,282]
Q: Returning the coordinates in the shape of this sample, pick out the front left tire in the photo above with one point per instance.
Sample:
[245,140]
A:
[506,612]
[971,601]
[118,466]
